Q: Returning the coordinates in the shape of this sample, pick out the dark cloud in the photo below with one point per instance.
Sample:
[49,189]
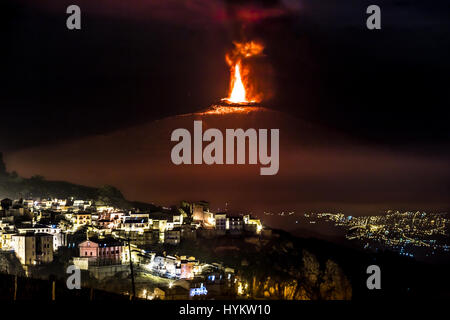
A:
[157,58]
[181,12]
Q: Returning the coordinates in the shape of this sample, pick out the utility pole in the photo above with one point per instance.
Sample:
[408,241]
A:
[53,291]
[15,288]
[92,294]
[133,288]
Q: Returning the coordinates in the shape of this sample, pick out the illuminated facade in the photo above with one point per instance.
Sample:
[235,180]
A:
[33,248]
[104,250]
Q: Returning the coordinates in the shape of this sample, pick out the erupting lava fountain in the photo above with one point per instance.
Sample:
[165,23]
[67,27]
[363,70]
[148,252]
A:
[242,96]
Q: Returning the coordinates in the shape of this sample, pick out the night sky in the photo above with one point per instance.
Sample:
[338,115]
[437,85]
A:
[385,92]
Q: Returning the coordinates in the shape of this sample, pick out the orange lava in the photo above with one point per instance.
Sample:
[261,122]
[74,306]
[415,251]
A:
[220,109]
[240,92]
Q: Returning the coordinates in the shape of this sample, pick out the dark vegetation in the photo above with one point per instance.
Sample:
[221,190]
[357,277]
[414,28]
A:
[285,257]
[41,290]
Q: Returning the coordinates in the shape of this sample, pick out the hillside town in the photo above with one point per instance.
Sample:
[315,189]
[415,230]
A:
[107,242]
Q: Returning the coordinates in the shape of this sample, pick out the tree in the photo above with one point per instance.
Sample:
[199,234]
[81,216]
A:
[112,196]
[37,177]
[6,203]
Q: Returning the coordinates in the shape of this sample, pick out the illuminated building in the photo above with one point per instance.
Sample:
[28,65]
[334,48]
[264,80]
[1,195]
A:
[6,240]
[101,257]
[222,222]
[33,248]
[255,223]
[136,224]
[172,236]
[236,225]
[105,250]
[198,209]
[59,237]
[187,268]
[79,219]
